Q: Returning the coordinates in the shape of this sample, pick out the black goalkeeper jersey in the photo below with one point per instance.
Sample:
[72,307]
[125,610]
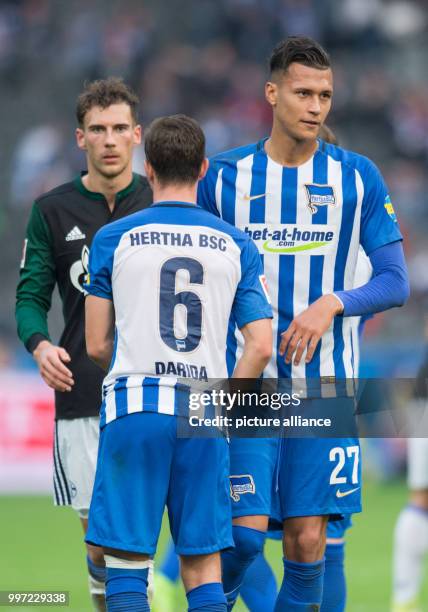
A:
[62,225]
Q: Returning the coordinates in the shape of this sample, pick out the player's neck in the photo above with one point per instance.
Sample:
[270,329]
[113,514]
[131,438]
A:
[108,186]
[287,151]
[174,193]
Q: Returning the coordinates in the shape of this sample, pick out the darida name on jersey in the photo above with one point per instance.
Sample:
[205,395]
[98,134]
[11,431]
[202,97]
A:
[184,370]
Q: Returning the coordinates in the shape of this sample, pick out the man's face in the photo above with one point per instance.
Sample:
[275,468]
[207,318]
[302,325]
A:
[301,100]
[108,137]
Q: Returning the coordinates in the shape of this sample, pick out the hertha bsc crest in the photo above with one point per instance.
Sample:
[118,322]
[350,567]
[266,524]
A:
[239,485]
[319,195]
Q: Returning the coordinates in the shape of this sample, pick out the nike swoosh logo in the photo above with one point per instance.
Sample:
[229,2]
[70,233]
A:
[345,493]
[254,197]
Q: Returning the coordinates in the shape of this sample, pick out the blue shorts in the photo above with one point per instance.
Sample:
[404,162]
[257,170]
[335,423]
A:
[319,476]
[142,467]
[337,529]
[253,469]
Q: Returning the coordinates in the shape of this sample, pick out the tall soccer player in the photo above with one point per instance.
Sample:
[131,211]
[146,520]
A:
[308,206]
[162,286]
[56,250]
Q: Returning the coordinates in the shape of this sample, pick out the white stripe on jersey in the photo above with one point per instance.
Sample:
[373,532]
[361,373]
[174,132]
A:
[166,400]
[271,264]
[243,179]
[349,360]
[110,405]
[334,217]
[218,188]
[242,218]
[134,391]
[302,264]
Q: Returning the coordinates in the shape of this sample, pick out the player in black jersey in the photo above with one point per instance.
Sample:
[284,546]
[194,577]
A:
[62,225]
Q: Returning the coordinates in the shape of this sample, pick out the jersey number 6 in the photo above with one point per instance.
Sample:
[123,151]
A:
[190,301]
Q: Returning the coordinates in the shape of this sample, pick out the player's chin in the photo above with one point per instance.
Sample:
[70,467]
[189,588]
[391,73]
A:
[112,170]
[309,130]
[306,135]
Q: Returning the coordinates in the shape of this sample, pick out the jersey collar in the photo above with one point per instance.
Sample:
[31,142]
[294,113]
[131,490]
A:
[94,195]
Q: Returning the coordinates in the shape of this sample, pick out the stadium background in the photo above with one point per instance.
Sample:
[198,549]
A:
[206,59]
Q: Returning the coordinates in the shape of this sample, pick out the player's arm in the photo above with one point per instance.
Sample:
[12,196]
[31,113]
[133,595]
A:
[257,349]
[99,330]
[33,301]
[99,307]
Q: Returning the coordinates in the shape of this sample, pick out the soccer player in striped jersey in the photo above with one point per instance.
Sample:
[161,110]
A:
[162,287]
[308,206]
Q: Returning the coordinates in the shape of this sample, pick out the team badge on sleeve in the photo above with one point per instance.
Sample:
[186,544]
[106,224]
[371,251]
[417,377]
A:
[319,195]
[390,209]
[239,485]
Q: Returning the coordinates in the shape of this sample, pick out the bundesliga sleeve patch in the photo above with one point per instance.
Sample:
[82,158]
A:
[390,209]
[263,282]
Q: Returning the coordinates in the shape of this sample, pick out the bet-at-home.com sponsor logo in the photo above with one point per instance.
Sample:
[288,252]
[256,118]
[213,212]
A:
[293,239]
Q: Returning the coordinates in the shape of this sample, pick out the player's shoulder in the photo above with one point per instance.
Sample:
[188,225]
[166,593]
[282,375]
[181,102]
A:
[112,232]
[217,223]
[232,156]
[141,181]
[55,195]
[362,164]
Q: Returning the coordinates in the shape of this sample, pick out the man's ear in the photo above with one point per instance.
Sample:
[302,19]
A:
[137,134]
[80,139]
[271,92]
[150,173]
[204,168]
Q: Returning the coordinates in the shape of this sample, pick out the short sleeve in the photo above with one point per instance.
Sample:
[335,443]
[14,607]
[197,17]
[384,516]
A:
[98,280]
[252,299]
[379,225]
[207,191]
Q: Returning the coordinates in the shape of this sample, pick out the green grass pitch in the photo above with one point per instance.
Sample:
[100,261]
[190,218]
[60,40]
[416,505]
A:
[42,549]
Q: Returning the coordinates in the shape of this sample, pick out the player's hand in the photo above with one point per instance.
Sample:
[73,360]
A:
[305,331]
[50,360]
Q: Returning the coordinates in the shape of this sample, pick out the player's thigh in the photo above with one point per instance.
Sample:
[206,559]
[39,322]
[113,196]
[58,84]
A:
[320,476]
[253,469]
[417,466]
[131,482]
[198,497]
[75,459]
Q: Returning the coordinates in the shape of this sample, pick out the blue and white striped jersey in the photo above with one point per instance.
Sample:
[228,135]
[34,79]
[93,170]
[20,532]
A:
[175,274]
[308,223]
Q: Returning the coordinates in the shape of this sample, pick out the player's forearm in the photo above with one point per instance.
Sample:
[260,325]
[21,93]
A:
[101,354]
[387,289]
[251,365]
[32,323]
[99,330]
[257,349]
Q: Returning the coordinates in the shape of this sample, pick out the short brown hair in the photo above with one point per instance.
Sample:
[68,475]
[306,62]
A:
[104,93]
[299,49]
[175,148]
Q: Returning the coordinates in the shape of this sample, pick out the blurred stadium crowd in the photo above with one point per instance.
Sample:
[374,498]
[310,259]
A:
[208,59]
